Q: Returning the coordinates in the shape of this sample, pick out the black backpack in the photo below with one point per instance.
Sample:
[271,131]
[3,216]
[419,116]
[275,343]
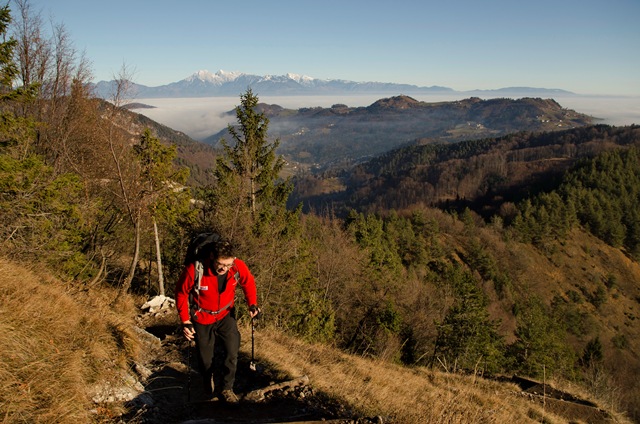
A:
[199,249]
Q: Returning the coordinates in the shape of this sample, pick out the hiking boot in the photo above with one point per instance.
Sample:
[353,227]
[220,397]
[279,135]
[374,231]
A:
[229,396]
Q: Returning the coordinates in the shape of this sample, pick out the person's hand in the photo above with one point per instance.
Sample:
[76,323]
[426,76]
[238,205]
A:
[254,311]
[188,330]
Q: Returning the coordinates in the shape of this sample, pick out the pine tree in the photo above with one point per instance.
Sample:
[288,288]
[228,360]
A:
[8,68]
[40,217]
[248,205]
[249,187]
[467,337]
[593,353]
[540,347]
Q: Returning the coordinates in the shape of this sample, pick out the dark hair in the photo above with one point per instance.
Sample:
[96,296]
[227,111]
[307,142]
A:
[224,249]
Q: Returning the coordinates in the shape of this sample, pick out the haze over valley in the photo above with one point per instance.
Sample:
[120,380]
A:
[201,117]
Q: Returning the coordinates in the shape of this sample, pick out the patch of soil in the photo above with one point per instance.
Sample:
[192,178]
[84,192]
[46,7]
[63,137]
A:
[562,403]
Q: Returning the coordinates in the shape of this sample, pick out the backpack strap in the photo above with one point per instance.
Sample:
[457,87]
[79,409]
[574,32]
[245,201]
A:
[198,272]
[221,310]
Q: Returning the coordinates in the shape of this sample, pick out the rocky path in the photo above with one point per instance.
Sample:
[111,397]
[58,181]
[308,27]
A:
[169,390]
[173,389]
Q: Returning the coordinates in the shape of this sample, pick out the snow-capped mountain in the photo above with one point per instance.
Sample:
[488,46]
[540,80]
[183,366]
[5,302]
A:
[207,84]
[218,78]
[232,84]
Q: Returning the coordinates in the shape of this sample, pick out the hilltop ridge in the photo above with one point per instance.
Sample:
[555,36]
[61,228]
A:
[318,139]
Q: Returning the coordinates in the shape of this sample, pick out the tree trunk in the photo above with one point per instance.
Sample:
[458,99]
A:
[252,196]
[126,285]
[98,277]
[158,258]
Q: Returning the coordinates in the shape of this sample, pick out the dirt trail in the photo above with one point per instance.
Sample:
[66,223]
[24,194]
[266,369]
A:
[173,390]
[562,403]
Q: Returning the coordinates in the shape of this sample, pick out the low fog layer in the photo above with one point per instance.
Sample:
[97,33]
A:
[201,117]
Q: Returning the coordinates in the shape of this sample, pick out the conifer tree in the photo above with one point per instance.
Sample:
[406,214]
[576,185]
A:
[248,174]
[467,337]
[540,347]
[8,68]
[39,213]
[593,353]
[247,205]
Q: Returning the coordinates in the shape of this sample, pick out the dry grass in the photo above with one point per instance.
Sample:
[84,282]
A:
[400,394]
[55,345]
[57,342]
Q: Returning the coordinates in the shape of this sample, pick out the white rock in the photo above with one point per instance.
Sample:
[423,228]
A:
[156,302]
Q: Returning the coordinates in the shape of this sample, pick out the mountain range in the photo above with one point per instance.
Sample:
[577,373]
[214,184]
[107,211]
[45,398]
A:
[223,84]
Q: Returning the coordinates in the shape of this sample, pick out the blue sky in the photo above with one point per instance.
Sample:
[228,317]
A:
[584,46]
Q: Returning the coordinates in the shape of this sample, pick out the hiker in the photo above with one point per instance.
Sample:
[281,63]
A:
[209,312]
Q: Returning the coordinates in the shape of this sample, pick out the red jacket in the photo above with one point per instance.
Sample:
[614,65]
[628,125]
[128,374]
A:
[209,306]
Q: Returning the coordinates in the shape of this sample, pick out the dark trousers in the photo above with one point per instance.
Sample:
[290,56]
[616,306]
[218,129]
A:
[225,330]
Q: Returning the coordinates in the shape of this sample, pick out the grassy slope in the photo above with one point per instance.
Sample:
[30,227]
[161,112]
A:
[574,271]
[401,394]
[58,341]
[422,395]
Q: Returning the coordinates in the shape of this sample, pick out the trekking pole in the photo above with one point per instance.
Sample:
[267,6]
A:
[192,344]
[189,349]
[252,364]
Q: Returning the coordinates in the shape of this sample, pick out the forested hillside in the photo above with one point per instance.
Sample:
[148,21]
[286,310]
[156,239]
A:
[197,156]
[543,282]
[482,174]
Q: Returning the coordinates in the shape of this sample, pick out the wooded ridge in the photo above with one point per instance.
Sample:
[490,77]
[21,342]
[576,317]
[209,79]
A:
[320,138]
[482,174]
